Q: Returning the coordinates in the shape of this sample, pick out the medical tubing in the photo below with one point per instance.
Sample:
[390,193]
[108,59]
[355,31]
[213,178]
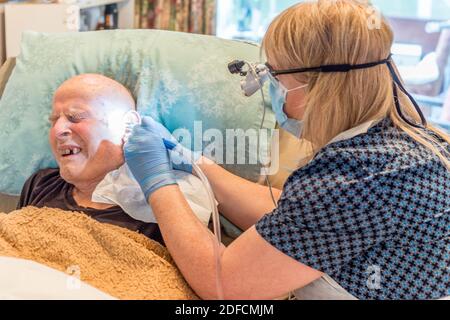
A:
[261,83]
[269,184]
[217,241]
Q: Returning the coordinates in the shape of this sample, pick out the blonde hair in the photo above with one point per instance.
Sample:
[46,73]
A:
[324,32]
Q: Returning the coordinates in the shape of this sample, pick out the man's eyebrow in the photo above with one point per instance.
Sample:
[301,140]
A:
[78,108]
[53,117]
[71,110]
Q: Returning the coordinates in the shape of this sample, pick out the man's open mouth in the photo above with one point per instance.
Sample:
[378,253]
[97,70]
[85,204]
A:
[69,151]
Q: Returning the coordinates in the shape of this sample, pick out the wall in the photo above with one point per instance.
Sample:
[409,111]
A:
[2,35]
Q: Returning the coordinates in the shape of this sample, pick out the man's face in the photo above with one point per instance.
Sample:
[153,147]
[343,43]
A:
[85,144]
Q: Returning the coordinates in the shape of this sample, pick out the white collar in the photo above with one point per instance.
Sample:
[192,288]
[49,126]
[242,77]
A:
[356,131]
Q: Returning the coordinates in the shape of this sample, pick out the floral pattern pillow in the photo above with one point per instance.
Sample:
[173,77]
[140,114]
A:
[177,78]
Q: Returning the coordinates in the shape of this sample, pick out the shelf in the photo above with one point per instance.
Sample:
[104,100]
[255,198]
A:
[96,3]
[31,16]
[83,4]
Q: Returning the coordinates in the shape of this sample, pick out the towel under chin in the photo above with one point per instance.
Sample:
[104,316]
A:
[120,188]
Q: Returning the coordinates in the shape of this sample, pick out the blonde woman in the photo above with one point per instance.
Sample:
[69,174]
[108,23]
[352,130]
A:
[366,218]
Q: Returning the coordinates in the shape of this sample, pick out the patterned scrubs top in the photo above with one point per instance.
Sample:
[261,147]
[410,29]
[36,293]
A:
[372,212]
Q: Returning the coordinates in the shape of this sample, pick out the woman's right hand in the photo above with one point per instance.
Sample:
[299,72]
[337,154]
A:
[180,156]
[147,157]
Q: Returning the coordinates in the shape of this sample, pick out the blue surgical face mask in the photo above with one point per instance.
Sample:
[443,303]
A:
[278,94]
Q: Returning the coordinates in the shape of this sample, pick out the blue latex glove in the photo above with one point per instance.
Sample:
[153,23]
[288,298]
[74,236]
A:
[180,156]
[147,157]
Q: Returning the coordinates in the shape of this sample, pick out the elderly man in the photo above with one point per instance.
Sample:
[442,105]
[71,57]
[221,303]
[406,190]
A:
[86,138]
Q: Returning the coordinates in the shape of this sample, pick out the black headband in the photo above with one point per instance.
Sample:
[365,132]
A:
[349,67]
[329,68]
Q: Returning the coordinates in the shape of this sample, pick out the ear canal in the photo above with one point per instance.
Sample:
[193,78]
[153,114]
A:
[132,118]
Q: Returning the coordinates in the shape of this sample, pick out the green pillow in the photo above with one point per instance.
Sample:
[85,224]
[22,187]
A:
[177,78]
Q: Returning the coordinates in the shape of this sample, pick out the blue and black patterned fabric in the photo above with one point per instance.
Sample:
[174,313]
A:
[373,212]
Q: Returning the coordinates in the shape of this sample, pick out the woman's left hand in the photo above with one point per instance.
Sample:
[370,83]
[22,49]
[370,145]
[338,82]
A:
[147,157]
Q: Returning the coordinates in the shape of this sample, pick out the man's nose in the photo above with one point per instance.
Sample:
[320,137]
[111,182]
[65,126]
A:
[62,128]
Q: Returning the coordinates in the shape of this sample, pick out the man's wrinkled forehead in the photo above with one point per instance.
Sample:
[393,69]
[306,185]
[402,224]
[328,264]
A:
[71,107]
[78,102]
[97,90]
[80,92]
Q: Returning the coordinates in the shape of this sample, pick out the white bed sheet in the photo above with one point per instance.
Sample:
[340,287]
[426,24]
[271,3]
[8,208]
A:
[27,280]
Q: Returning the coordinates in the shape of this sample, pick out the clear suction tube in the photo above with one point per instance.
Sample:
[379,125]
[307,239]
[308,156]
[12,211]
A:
[217,241]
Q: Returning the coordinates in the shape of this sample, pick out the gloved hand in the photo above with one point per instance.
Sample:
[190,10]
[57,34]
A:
[147,157]
[180,156]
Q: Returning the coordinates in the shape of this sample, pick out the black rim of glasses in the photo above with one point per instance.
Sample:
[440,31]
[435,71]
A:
[327,68]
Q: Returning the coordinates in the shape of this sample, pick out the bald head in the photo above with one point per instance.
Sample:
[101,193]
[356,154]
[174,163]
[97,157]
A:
[90,118]
[100,91]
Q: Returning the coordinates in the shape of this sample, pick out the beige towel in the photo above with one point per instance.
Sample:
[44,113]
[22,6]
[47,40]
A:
[122,263]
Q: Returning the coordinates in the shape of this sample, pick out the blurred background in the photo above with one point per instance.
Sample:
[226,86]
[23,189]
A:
[422,30]
[421,49]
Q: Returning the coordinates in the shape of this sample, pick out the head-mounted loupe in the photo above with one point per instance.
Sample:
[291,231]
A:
[255,75]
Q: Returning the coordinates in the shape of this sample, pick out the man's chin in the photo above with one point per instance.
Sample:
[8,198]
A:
[71,173]
[68,175]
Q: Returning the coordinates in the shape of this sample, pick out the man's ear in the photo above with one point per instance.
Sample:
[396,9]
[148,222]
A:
[132,118]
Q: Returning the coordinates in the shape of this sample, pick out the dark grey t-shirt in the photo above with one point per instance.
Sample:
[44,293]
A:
[46,188]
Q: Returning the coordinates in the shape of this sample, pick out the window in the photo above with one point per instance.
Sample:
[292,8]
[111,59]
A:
[420,9]
[249,20]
